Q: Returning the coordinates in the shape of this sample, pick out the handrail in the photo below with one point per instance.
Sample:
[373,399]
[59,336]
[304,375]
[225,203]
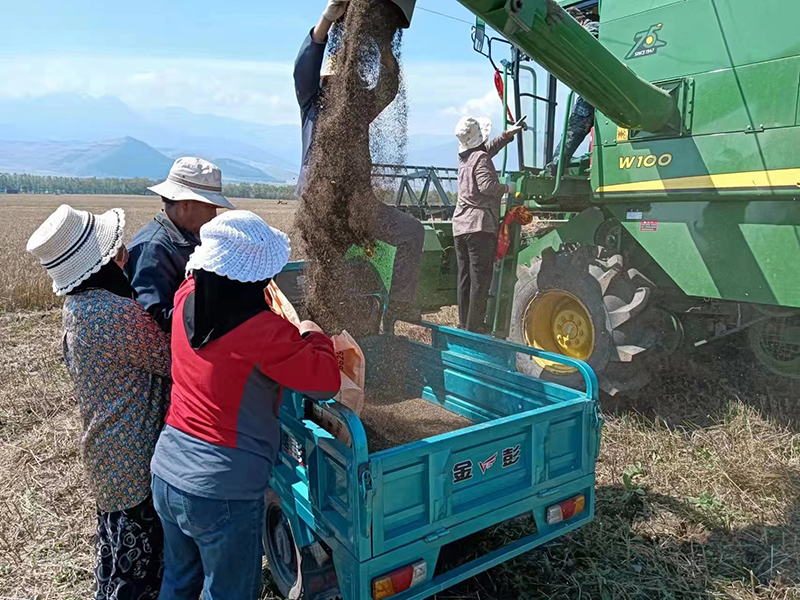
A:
[535,126]
[589,377]
[562,152]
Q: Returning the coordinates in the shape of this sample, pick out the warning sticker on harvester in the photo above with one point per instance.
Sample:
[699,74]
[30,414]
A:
[648,226]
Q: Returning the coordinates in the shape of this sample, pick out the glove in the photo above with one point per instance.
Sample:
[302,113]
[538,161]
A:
[335,9]
[520,125]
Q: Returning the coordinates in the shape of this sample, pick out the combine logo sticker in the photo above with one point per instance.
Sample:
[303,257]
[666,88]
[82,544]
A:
[646,42]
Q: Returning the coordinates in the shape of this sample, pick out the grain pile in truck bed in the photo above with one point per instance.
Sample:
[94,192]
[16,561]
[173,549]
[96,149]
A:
[390,422]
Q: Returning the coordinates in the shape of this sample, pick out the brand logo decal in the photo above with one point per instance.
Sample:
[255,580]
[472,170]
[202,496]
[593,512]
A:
[646,42]
[488,463]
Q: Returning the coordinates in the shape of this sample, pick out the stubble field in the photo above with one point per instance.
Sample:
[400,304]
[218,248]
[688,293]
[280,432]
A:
[698,478]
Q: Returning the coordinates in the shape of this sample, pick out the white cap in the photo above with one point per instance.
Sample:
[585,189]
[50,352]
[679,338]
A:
[193,178]
[239,245]
[472,132]
[74,244]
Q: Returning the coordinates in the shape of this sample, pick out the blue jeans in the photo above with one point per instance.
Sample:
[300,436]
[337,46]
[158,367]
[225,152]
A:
[213,546]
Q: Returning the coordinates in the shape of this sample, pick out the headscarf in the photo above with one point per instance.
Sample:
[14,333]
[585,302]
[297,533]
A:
[110,278]
[219,305]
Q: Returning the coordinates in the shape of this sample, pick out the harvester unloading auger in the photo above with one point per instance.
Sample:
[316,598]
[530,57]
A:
[682,226]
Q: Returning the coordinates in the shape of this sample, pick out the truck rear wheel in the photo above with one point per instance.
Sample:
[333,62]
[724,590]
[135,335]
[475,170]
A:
[298,573]
[582,302]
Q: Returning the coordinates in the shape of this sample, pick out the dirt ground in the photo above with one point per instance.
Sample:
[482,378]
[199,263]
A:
[698,481]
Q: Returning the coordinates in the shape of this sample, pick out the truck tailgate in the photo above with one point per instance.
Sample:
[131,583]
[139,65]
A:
[532,437]
[426,488]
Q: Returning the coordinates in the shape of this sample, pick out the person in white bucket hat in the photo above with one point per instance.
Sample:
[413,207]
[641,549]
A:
[231,358]
[119,361]
[191,195]
[476,220]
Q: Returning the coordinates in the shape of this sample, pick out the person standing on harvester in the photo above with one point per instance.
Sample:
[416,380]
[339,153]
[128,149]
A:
[392,226]
[476,220]
[581,120]
[191,194]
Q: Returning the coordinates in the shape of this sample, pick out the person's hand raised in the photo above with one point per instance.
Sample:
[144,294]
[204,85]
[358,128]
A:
[514,129]
[335,9]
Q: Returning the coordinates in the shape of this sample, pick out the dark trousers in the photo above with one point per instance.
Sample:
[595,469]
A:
[580,125]
[407,235]
[475,254]
[129,551]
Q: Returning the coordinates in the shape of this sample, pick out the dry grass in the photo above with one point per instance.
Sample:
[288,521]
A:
[698,479]
[24,285]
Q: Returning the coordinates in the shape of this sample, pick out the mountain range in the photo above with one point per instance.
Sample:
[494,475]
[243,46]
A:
[84,136]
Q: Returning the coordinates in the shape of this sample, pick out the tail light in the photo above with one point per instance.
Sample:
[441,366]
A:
[399,580]
[566,509]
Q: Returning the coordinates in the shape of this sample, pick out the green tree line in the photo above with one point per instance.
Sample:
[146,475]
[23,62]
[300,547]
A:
[22,183]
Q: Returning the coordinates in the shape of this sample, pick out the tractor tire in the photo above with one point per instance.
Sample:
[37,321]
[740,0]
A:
[582,302]
[298,573]
[776,343]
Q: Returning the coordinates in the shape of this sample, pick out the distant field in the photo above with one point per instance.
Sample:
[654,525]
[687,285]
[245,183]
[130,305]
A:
[24,285]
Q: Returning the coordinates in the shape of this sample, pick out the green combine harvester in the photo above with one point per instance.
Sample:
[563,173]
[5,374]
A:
[682,226]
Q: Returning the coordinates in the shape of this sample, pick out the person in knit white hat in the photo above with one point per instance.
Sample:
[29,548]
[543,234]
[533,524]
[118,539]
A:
[476,220]
[191,195]
[231,358]
[119,361]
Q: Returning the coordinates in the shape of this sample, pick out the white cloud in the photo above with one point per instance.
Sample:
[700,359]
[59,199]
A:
[254,91]
[485,105]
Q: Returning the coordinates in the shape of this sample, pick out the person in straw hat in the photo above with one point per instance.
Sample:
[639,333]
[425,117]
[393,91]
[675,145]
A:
[119,361]
[231,359]
[191,194]
[476,219]
[392,226]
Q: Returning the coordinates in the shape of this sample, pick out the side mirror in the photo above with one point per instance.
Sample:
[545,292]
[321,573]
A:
[479,35]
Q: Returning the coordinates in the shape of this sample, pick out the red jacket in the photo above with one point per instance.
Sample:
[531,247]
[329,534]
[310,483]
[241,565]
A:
[225,400]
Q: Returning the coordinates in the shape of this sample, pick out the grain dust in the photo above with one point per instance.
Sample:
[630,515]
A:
[338,207]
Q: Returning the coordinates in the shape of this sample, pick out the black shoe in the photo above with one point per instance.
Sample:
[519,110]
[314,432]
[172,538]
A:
[405,311]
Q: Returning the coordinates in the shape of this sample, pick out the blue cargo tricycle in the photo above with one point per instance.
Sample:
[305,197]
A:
[344,522]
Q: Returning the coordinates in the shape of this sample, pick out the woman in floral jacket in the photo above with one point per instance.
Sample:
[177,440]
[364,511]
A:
[119,361]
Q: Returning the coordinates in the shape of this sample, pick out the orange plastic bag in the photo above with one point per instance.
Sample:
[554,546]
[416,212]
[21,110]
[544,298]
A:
[280,304]
[351,359]
[353,369]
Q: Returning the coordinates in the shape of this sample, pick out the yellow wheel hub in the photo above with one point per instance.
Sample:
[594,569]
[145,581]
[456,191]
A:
[558,322]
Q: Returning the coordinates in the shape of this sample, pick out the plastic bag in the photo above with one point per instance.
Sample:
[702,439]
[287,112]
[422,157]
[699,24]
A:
[280,304]
[353,370]
[351,359]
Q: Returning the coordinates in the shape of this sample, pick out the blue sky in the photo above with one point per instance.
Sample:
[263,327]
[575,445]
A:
[229,58]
